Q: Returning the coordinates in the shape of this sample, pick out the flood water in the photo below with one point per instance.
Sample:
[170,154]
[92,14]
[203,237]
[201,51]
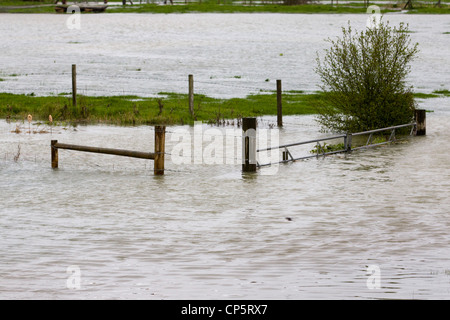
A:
[230,55]
[206,231]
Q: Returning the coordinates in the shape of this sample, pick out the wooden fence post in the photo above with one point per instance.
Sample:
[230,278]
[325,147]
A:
[348,142]
[279,105]
[421,123]
[74,85]
[249,144]
[54,152]
[160,136]
[191,95]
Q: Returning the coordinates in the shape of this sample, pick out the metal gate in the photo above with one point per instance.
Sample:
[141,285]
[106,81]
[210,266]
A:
[321,149]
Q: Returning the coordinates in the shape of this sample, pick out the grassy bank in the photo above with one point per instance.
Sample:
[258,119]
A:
[234,8]
[46,6]
[325,8]
[170,108]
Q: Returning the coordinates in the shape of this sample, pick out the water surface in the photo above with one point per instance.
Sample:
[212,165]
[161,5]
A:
[207,231]
[230,55]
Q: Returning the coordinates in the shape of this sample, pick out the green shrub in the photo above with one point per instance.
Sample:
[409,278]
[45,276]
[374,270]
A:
[363,78]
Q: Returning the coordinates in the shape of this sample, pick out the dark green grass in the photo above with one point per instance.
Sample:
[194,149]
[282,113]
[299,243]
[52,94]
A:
[235,8]
[17,6]
[444,92]
[47,6]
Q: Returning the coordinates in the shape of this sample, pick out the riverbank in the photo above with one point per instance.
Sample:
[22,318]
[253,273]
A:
[168,108]
[14,6]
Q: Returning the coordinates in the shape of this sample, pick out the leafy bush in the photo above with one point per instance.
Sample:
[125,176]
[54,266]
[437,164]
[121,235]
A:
[363,78]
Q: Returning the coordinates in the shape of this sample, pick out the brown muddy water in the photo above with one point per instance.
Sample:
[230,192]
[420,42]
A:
[373,224]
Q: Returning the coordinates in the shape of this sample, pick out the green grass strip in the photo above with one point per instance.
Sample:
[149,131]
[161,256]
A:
[169,108]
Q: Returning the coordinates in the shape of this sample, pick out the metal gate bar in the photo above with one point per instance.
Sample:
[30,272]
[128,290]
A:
[347,143]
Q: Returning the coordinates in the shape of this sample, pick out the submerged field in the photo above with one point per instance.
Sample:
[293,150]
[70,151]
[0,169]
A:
[370,224]
[135,71]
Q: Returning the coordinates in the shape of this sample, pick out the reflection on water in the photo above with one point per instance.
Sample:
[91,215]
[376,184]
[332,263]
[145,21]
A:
[207,231]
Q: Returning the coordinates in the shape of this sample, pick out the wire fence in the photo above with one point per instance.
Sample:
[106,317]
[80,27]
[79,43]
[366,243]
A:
[134,83]
[128,82]
[30,151]
[139,83]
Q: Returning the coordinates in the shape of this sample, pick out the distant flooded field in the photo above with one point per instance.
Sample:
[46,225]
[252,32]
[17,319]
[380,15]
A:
[230,55]
[372,224]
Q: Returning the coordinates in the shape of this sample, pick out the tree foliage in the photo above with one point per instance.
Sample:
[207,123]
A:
[363,77]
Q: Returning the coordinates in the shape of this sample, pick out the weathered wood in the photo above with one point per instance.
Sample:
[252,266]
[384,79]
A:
[157,156]
[160,133]
[191,95]
[74,85]
[54,152]
[279,105]
[421,123]
[116,152]
[348,142]
[249,144]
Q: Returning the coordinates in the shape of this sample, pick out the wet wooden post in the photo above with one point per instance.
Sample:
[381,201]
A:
[74,85]
[279,105]
[191,95]
[421,123]
[249,144]
[54,152]
[285,155]
[160,134]
[348,142]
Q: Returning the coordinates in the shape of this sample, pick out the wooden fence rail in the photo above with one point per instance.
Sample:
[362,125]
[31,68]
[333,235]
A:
[157,156]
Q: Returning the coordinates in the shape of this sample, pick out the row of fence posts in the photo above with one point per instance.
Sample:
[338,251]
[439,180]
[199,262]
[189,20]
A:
[279,99]
[249,161]
[420,114]
[190,94]
[248,126]
[157,156]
